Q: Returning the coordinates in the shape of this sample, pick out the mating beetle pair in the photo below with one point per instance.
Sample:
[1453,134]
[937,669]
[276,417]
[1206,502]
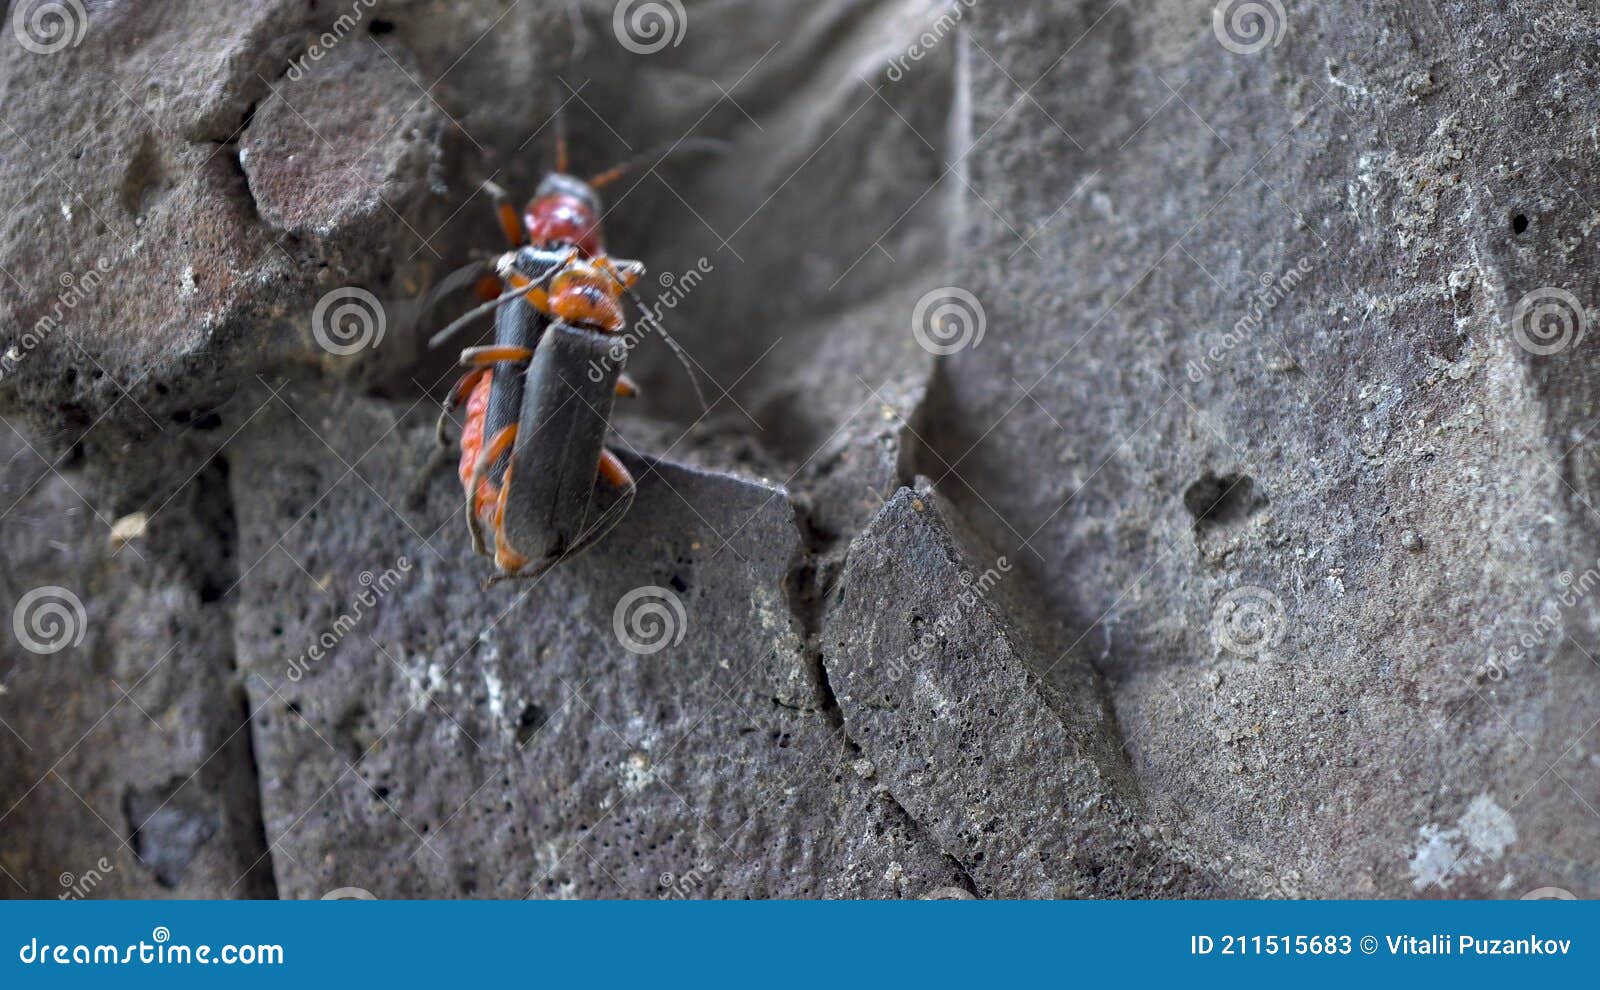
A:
[533,443]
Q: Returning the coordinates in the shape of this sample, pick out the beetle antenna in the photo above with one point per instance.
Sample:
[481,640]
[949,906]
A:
[563,147]
[453,282]
[677,348]
[475,313]
[710,146]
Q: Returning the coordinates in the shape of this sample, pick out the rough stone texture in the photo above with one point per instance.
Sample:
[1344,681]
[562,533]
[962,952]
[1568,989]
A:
[930,645]
[502,743]
[1363,751]
[1303,540]
[123,735]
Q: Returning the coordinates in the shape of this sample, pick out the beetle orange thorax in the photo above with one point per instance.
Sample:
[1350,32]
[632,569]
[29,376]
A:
[564,211]
[583,294]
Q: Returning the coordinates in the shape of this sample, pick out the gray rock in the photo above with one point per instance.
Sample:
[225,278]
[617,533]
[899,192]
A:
[453,741]
[1252,392]
[124,741]
[1299,266]
[931,644]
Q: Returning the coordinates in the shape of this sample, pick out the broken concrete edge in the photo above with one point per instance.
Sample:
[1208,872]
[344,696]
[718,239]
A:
[807,599]
[1119,829]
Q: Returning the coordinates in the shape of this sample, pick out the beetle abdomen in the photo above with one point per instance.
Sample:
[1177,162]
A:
[569,391]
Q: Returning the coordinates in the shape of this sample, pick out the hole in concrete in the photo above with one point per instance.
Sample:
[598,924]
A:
[532,719]
[1519,223]
[1222,500]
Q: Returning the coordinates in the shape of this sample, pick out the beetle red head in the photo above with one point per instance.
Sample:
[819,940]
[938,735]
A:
[565,211]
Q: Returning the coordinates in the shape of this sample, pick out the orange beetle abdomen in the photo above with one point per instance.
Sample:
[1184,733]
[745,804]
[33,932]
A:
[472,447]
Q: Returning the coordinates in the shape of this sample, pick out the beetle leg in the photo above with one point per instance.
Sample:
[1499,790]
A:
[458,395]
[493,452]
[479,357]
[506,213]
[525,575]
[627,388]
[612,469]
[616,474]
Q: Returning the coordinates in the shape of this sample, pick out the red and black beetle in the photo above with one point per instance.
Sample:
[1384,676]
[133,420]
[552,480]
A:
[533,444]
